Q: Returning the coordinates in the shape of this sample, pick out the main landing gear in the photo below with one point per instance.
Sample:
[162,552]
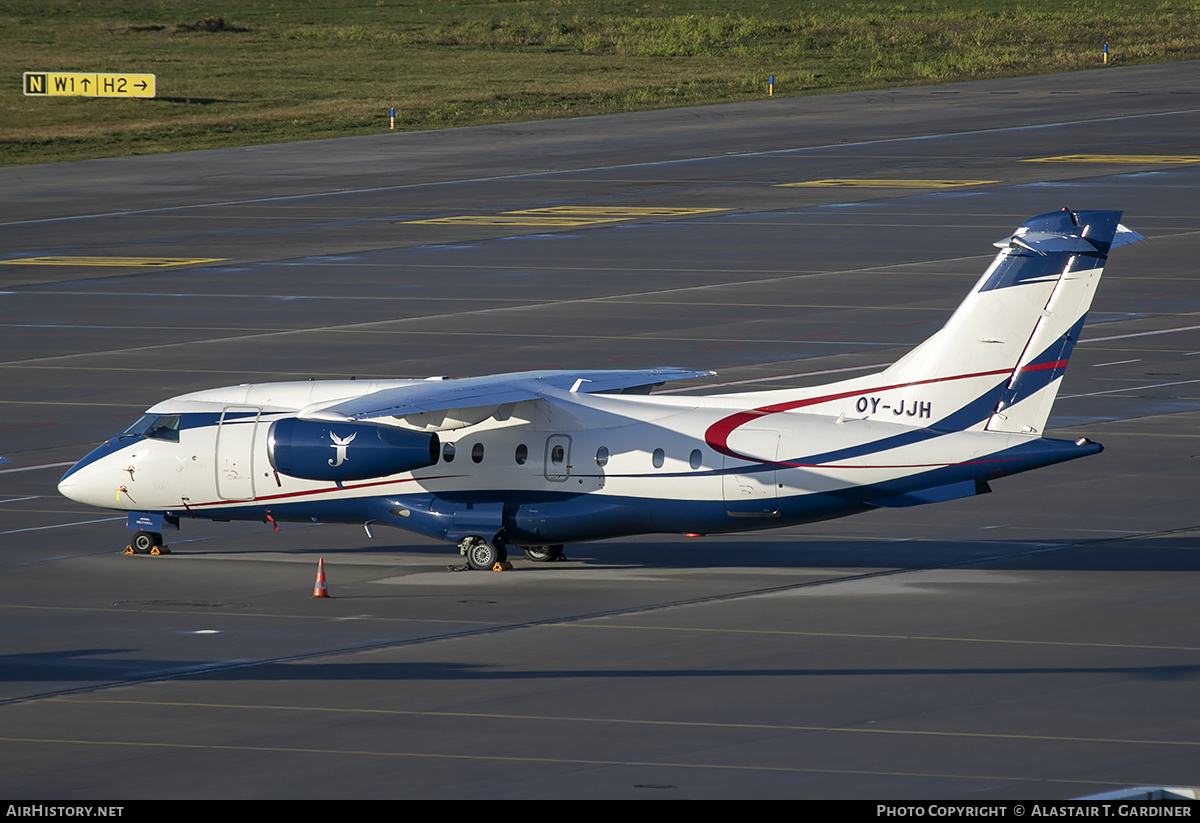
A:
[545,554]
[144,542]
[482,555]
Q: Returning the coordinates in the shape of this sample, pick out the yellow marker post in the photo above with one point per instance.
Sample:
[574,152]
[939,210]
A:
[87,84]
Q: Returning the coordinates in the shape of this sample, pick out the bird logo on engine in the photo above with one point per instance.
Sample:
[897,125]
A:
[339,446]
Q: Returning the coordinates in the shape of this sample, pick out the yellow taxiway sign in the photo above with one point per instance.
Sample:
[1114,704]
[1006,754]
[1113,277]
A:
[87,84]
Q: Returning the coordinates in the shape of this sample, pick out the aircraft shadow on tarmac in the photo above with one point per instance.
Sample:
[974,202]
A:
[87,665]
[1163,552]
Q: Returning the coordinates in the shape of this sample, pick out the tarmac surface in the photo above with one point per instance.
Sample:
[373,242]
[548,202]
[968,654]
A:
[1039,642]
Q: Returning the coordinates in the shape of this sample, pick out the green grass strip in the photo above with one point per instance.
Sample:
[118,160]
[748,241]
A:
[242,72]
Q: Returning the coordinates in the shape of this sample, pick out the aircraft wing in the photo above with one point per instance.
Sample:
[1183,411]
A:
[493,390]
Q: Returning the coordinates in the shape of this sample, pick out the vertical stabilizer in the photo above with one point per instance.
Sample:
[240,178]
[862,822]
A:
[999,360]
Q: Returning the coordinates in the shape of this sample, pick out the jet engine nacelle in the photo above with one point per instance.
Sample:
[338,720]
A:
[317,450]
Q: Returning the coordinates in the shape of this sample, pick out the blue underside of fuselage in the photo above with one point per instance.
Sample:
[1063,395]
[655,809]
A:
[534,518]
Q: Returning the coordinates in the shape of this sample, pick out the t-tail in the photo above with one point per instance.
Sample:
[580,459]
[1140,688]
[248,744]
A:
[998,362]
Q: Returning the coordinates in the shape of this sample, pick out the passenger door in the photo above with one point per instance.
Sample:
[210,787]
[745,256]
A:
[236,434]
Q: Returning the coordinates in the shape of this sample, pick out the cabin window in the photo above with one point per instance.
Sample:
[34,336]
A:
[448,452]
[602,456]
[696,459]
[477,453]
[522,454]
[658,458]
[557,455]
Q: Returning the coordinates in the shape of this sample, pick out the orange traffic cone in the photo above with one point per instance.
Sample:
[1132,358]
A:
[319,590]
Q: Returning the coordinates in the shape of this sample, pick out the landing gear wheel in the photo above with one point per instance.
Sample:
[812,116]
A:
[544,554]
[482,555]
[146,543]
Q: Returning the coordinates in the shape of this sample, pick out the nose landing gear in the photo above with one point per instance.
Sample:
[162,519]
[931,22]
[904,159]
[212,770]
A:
[144,542]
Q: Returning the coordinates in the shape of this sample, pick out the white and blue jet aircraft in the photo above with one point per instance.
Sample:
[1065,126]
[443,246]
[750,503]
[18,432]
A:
[541,458]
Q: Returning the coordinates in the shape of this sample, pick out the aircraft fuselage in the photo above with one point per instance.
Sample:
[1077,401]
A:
[548,476]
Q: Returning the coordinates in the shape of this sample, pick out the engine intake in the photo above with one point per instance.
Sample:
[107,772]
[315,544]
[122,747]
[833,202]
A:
[317,450]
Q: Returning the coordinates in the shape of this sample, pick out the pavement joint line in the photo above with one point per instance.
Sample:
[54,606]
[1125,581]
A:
[566,761]
[1131,388]
[860,636]
[39,466]
[61,525]
[886,183]
[1133,159]
[623,721]
[1141,333]
[110,262]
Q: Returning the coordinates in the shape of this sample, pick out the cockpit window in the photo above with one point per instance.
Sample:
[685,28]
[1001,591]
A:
[155,426]
[166,428]
[140,425]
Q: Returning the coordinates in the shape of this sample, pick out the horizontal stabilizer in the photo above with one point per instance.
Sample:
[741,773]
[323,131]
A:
[1125,236]
[1044,242]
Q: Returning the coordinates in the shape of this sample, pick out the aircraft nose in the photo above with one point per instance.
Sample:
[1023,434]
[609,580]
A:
[88,485]
[67,487]
[88,480]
